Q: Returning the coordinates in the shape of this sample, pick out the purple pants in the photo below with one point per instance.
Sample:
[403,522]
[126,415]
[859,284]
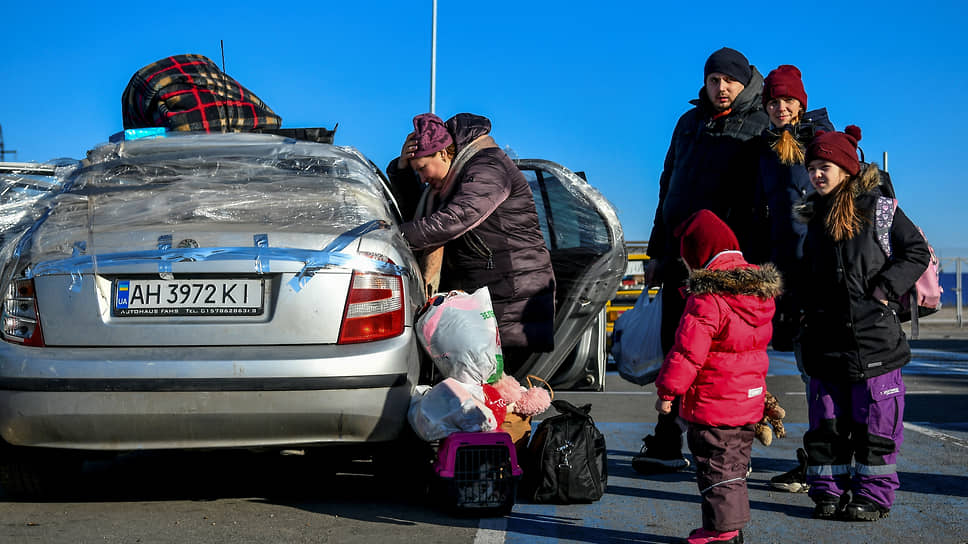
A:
[722,455]
[858,422]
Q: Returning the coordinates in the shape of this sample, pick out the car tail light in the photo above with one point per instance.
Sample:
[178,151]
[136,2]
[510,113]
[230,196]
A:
[21,323]
[374,307]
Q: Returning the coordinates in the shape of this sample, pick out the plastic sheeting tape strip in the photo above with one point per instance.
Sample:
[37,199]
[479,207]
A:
[261,240]
[347,237]
[164,243]
[312,259]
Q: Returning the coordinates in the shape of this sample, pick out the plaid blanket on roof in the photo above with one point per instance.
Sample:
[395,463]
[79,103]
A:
[189,92]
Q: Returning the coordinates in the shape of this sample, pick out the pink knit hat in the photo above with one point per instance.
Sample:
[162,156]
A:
[431,134]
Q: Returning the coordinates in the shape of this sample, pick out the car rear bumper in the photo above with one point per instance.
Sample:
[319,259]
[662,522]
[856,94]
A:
[282,396]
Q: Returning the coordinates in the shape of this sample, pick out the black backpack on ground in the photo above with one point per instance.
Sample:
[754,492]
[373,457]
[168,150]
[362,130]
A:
[566,461]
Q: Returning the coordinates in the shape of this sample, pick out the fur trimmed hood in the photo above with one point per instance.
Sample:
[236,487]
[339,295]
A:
[759,281]
[868,180]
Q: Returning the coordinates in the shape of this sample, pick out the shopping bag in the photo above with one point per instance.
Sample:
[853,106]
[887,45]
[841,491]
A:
[460,333]
[447,408]
[637,340]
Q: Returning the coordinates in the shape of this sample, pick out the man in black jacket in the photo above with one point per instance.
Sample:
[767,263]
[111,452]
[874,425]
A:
[706,141]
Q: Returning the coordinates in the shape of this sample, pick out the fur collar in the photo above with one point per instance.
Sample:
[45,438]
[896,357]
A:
[763,281]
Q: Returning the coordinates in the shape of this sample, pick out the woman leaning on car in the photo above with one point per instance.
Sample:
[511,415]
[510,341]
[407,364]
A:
[476,205]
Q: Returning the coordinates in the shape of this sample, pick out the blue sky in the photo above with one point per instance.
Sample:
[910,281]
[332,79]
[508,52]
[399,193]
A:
[594,86]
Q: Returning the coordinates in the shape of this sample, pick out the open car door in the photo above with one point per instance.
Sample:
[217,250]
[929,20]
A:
[583,234]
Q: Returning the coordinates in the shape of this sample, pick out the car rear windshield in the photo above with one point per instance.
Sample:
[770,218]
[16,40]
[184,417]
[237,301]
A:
[276,183]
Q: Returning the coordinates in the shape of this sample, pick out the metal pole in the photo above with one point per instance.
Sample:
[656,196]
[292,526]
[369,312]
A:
[433,61]
[4,152]
[885,161]
[958,291]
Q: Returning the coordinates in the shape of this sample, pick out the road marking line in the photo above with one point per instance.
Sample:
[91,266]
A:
[936,434]
[491,531]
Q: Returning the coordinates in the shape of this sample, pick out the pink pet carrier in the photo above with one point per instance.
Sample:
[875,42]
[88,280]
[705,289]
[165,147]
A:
[477,474]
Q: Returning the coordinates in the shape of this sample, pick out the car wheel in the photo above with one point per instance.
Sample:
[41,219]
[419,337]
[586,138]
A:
[38,473]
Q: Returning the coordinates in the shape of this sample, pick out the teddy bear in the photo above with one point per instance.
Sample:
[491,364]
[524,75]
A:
[517,405]
[508,395]
[773,415]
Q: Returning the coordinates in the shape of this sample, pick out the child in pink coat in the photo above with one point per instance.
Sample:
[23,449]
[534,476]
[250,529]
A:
[718,366]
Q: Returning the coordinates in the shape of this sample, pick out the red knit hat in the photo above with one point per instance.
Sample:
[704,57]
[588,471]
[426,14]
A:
[702,237]
[839,148]
[784,81]
[431,134]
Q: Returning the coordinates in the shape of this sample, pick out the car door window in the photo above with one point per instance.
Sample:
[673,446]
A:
[575,233]
[568,221]
[540,203]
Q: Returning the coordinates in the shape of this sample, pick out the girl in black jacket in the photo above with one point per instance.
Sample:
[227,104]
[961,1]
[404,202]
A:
[852,344]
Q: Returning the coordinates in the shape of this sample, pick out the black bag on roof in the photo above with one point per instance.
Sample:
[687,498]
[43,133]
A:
[567,461]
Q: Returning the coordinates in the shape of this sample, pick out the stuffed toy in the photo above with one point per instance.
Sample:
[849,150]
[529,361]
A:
[773,415]
[521,400]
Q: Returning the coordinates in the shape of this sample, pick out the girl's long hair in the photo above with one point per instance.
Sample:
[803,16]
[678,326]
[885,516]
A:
[844,220]
[787,148]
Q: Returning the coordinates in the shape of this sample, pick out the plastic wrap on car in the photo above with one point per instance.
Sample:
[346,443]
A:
[280,184]
[21,193]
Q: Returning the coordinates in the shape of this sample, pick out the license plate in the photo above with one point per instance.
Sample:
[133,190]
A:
[157,297]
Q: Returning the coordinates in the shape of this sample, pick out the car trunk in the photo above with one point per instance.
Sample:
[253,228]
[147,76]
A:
[168,243]
[243,300]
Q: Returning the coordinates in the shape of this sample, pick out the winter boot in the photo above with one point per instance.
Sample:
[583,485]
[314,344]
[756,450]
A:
[705,536]
[864,509]
[794,481]
[656,457]
[829,506]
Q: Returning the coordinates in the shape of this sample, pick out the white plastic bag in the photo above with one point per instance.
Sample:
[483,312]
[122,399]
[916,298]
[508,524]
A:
[460,333]
[447,408]
[637,340]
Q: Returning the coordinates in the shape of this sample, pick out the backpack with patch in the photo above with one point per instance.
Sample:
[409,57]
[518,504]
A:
[566,460]
[926,292]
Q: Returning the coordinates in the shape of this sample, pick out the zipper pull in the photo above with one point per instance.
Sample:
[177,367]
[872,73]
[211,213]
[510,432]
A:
[490,263]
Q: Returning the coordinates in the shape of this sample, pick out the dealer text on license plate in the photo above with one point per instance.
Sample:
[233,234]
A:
[151,297]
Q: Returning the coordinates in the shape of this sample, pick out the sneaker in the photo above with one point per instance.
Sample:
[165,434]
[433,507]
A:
[829,506]
[864,509]
[705,536]
[794,481]
[654,458]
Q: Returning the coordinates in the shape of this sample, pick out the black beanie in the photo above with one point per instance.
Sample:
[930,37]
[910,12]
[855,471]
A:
[730,62]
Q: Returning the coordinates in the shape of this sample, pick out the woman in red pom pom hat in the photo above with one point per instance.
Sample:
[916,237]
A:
[781,180]
[851,339]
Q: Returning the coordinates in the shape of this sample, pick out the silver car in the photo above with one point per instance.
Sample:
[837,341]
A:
[242,291]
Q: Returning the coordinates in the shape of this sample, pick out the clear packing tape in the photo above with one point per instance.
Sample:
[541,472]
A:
[114,207]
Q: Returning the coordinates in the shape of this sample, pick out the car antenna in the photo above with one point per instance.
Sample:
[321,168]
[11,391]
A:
[225,106]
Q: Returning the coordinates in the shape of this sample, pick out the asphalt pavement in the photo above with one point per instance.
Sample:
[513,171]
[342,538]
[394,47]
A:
[241,497]
[931,505]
